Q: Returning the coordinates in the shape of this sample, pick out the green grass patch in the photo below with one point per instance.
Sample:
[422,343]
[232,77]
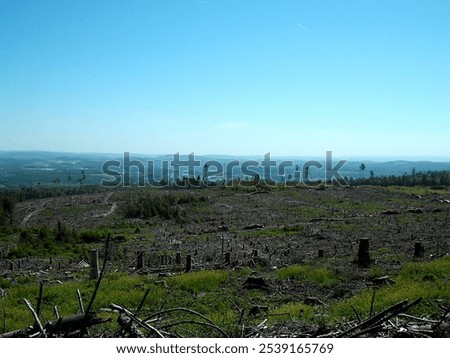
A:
[418,271]
[269,232]
[201,291]
[80,209]
[199,281]
[376,271]
[198,238]
[428,280]
[117,288]
[219,296]
[47,213]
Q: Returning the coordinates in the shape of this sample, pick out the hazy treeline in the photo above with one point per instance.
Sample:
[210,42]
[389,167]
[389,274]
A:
[429,179]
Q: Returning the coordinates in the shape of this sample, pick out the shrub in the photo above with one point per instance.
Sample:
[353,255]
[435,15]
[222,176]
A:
[151,206]
[93,235]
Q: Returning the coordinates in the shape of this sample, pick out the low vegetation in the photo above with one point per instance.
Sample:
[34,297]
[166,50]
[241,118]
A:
[272,236]
[322,276]
[219,296]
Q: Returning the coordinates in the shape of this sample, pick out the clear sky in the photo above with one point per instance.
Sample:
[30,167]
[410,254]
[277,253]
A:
[298,77]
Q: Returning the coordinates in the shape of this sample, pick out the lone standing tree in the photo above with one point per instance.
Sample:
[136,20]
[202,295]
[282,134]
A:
[362,168]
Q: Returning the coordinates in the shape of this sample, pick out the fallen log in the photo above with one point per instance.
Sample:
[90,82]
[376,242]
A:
[61,327]
[72,324]
[20,333]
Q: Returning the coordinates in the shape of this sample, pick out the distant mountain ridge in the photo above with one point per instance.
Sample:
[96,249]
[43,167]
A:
[58,168]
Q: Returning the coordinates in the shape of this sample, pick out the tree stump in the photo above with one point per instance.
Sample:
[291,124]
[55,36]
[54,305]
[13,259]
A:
[256,283]
[94,272]
[188,263]
[140,260]
[178,258]
[227,258]
[363,253]
[419,250]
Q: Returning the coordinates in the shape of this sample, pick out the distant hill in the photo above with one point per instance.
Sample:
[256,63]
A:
[398,167]
[53,168]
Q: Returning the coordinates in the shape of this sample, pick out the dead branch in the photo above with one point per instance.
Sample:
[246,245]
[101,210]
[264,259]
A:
[418,318]
[371,323]
[206,324]
[372,303]
[158,314]
[102,272]
[374,319]
[371,329]
[55,310]
[80,301]
[36,318]
[141,304]
[356,313]
[39,301]
[128,326]
[137,320]
[20,333]
[126,323]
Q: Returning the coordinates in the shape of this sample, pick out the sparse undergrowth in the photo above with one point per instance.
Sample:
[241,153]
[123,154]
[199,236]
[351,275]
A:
[220,296]
[273,235]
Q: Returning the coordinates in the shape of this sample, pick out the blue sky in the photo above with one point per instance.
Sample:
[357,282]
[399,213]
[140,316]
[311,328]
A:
[361,78]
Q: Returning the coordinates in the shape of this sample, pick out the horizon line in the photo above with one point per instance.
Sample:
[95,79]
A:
[417,158]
